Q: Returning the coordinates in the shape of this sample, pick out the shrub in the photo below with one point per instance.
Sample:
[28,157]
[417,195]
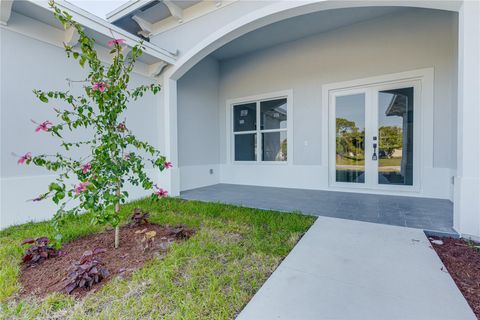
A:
[38,251]
[139,217]
[181,232]
[86,272]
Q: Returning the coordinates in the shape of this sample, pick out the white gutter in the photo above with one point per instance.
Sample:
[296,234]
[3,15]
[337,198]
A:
[101,26]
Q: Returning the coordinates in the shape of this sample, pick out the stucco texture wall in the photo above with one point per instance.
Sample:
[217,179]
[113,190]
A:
[198,116]
[198,125]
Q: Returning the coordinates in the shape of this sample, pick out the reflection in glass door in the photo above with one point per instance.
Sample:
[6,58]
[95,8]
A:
[372,136]
[350,138]
[395,136]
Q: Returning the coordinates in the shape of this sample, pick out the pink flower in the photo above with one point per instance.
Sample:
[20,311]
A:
[126,155]
[25,157]
[44,126]
[82,186]
[100,86]
[113,42]
[160,193]
[168,165]
[86,167]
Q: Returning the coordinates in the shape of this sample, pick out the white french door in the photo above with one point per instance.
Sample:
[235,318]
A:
[374,136]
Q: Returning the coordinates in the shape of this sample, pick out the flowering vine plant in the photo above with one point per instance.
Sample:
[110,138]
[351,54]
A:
[115,155]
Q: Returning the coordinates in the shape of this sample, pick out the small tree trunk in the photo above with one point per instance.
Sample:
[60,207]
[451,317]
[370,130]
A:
[117,228]
[117,236]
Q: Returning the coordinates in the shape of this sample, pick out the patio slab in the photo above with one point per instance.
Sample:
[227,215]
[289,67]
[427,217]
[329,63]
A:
[432,215]
[344,269]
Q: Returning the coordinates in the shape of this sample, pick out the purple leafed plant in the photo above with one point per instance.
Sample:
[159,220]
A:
[38,251]
[181,232]
[86,272]
[139,217]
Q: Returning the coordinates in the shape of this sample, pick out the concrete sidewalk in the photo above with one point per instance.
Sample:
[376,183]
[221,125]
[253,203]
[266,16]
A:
[343,269]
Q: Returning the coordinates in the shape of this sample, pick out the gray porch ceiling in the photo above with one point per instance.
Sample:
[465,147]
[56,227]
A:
[300,27]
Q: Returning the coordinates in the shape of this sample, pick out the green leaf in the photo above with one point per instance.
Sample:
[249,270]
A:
[43,98]
[60,195]
[54,186]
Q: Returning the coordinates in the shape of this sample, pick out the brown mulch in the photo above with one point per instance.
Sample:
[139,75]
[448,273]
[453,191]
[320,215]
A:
[49,276]
[463,263]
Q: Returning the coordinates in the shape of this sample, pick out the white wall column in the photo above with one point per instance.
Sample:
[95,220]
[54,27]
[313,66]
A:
[170,133]
[467,183]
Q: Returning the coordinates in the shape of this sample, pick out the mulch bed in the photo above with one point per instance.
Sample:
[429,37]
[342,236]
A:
[49,276]
[463,263]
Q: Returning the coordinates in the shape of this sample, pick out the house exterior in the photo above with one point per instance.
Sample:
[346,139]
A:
[364,96]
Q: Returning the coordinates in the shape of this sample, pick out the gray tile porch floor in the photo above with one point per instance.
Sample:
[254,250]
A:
[435,216]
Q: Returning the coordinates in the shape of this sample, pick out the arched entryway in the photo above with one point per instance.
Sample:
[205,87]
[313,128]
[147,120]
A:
[466,205]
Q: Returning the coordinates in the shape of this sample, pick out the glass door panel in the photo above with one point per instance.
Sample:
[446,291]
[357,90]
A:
[350,138]
[395,137]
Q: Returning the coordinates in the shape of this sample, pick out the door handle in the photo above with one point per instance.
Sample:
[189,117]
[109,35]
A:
[374,156]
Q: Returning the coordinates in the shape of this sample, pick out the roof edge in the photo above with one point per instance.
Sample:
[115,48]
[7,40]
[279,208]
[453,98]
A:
[93,22]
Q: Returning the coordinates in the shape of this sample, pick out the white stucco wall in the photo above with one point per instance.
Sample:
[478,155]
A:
[412,40]
[27,63]
[198,125]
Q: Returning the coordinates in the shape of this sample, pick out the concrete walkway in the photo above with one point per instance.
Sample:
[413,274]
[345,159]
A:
[343,269]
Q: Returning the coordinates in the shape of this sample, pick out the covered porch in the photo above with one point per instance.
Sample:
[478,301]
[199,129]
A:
[435,216]
[338,68]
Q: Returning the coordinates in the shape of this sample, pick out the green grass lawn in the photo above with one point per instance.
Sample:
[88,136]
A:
[210,276]
[382,162]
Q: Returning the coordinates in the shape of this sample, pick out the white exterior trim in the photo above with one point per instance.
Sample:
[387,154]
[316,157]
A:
[144,25]
[175,10]
[5,11]
[71,36]
[168,129]
[467,179]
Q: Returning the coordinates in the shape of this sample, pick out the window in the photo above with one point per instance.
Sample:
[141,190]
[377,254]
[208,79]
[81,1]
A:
[260,130]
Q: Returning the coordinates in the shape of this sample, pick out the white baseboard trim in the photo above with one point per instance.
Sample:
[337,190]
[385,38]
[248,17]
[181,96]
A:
[192,177]
[470,237]
[436,184]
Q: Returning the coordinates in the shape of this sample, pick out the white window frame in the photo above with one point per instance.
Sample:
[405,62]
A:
[287,94]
